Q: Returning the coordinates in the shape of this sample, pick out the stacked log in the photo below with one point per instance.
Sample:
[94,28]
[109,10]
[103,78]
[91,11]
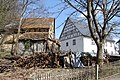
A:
[41,60]
[6,65]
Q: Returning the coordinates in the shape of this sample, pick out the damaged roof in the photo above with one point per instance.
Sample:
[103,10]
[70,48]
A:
[38,23]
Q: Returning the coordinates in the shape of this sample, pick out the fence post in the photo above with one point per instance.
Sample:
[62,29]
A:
[40,76]
[49,76]
[96,71]
[81,75]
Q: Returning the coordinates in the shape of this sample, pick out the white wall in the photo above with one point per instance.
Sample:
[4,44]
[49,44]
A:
[110,47]
[74,48]
[88,47]
[85,45]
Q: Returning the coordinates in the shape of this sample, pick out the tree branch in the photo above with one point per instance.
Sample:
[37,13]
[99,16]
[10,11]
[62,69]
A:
[75,8]
[95,20]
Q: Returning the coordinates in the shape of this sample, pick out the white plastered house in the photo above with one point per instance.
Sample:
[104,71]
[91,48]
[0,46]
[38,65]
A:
[75,36]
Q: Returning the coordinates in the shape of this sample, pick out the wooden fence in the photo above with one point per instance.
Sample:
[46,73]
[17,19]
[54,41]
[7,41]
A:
[87,73]
[65,74]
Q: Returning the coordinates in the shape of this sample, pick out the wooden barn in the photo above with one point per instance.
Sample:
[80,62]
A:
[36,35]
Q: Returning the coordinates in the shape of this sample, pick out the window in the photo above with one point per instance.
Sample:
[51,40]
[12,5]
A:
[66,43]
[110,44]
[74,42]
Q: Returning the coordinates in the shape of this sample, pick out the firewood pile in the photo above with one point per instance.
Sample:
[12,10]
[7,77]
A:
[5,66]
[6,69]
[40,60]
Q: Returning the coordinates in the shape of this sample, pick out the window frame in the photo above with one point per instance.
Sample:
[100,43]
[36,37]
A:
[67,44]
[74,41]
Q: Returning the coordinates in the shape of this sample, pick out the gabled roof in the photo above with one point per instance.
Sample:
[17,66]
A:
[83,28]
[80,26]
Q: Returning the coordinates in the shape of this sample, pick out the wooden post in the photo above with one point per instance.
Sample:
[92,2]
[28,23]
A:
[96,71]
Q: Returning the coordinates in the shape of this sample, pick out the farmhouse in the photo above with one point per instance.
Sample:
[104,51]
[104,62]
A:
[36,35]
[75,36]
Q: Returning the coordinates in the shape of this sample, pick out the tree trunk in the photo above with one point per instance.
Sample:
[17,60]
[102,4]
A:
[24,7]
[99,58]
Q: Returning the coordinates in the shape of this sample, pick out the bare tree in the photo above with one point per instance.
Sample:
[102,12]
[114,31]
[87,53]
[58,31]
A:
[101,15]
[14,12]
[7,12]
[7,17]
[23,9]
